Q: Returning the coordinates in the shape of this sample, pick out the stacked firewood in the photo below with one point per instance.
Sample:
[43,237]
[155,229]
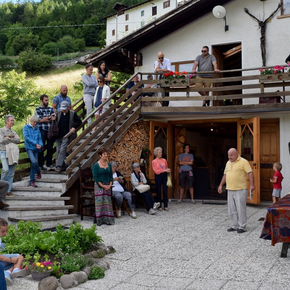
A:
[129,148]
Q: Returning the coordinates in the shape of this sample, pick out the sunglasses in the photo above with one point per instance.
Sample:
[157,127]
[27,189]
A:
[204,51]
[161,57]
[100,81]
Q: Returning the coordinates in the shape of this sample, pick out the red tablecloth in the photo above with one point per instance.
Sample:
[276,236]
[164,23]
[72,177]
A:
[276,226]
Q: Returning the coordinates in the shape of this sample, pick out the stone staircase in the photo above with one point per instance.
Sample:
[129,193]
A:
[43,204]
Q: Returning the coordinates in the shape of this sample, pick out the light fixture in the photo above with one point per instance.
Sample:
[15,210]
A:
[220,12]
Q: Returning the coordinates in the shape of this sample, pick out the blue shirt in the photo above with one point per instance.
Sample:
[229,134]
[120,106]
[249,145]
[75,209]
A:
[44,112]
[99,97]
[58,99]
[186,158]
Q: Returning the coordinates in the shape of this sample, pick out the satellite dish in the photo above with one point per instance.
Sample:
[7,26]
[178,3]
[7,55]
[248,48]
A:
[220,12]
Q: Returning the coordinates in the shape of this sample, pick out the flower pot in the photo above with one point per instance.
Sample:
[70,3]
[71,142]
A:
[274,77]
[38,276]
[174,82]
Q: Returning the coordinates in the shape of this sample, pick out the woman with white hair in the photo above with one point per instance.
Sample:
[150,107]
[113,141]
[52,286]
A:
[161,169]
[138,178]
[33,145]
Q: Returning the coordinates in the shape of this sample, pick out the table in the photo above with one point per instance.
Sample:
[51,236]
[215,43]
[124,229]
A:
[276,226]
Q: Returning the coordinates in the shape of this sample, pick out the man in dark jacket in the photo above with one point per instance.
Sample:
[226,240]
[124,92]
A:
[68,121]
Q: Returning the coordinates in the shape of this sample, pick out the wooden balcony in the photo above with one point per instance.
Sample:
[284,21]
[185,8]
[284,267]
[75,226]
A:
[233,93]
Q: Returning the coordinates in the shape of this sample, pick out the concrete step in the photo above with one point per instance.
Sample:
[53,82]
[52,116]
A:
[37,191]
[47,221]
[36,200]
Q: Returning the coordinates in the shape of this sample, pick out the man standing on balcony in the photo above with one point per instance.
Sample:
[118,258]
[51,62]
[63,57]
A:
[205,62]
[235,176]
[8,137]
[162,65]
[45,116]
[62,96]
[68,121]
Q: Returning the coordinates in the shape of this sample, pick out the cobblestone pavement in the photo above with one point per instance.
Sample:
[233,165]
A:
[186,248]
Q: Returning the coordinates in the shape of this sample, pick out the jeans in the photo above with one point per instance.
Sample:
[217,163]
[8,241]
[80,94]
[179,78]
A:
[33,163]
[61,145]
[2,279]
[48,146]
[8,265]
[7,170]
[119,196]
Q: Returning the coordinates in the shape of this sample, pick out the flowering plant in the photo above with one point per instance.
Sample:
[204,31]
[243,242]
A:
[145,153]
[40,267]
[178,75]
[274,70]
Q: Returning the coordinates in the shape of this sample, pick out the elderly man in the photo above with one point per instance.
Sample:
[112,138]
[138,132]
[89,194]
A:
[205,62]
[4,185]
[162,65]
[235,176]
[45,115]
[7,138]
[62,96]
[68,121]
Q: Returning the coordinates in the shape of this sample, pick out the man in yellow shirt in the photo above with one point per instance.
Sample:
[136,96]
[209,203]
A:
[235,177]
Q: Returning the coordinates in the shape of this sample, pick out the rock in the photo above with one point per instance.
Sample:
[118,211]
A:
[79,277]
[101,246]
[111,248]
[87,270]
[103,264]
[66,281]
[100,253]
[48,283]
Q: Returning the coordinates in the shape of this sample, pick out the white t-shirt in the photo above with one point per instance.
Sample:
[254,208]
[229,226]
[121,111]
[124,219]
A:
[117,186]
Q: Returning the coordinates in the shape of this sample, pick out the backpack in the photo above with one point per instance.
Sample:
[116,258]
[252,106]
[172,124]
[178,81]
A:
[53,131]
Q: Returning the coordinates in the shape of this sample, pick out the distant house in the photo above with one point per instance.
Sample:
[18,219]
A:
[180,34]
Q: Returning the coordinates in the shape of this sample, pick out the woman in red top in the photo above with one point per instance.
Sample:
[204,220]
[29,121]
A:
[161,169]
[277,181]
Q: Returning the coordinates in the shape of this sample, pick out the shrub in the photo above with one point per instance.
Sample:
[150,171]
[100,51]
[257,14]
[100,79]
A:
[69,43]
[75,262]
[80,44]
[96,273]
[30,60]
[6,62]
[50,48]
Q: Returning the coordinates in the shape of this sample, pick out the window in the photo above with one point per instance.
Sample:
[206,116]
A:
[285,8]
[127,17]
[113,32]
[126,27]
[182,66]
[166,4]
[154,10]
[142,13]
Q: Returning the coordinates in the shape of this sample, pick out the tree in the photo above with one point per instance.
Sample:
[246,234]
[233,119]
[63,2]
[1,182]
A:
[30,60]
[18,95]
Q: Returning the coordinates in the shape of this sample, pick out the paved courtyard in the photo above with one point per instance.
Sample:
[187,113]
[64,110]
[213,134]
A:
[187,248]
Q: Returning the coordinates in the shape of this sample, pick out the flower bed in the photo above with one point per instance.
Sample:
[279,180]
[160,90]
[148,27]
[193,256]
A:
[176,79]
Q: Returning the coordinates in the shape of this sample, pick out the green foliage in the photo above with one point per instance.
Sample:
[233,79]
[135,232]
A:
[24,41]
[96,273]
[6,62]
[75,262]
[18,95]
[69,43]
[80,44]
[27,238]
[50,48]
[30,60]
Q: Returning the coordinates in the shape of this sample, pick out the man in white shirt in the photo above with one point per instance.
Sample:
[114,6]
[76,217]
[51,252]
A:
[162,65]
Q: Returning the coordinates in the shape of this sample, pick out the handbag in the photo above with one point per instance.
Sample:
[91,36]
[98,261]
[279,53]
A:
[53,132]
[169,182]
[143,188]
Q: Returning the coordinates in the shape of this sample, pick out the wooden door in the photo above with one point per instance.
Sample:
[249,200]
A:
[269,154]
[248,141]
[161,136]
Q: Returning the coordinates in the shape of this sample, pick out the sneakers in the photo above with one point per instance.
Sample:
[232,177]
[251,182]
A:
[179,201]
[50,168]
[119,212]
[32,183]
[43,168]
[240,231]
[231,230]
[152,211]
[57,169]
[10,194]
[156,205]
[8,278]
[133,215]
[3,205]
[193,201]
[17,273]
[38,175]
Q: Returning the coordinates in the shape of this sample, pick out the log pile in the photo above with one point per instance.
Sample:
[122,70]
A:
[129,148]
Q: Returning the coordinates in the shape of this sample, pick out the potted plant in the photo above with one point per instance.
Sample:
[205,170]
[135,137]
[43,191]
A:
[177,79]
[274,74]
[38,270]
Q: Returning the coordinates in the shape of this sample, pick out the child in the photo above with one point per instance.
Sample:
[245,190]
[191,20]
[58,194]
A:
[12,263]
[277,181]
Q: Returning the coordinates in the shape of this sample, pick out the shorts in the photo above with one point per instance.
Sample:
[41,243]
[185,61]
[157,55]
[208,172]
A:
[8,265]
[184,177]
[276,192]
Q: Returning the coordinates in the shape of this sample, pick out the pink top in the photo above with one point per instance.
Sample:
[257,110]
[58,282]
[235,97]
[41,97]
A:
[158,165]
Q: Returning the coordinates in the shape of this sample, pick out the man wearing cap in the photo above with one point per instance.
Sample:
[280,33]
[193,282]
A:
[68,121]
[62,96]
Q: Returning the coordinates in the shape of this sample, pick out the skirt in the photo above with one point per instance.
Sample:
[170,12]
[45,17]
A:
[104,213]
